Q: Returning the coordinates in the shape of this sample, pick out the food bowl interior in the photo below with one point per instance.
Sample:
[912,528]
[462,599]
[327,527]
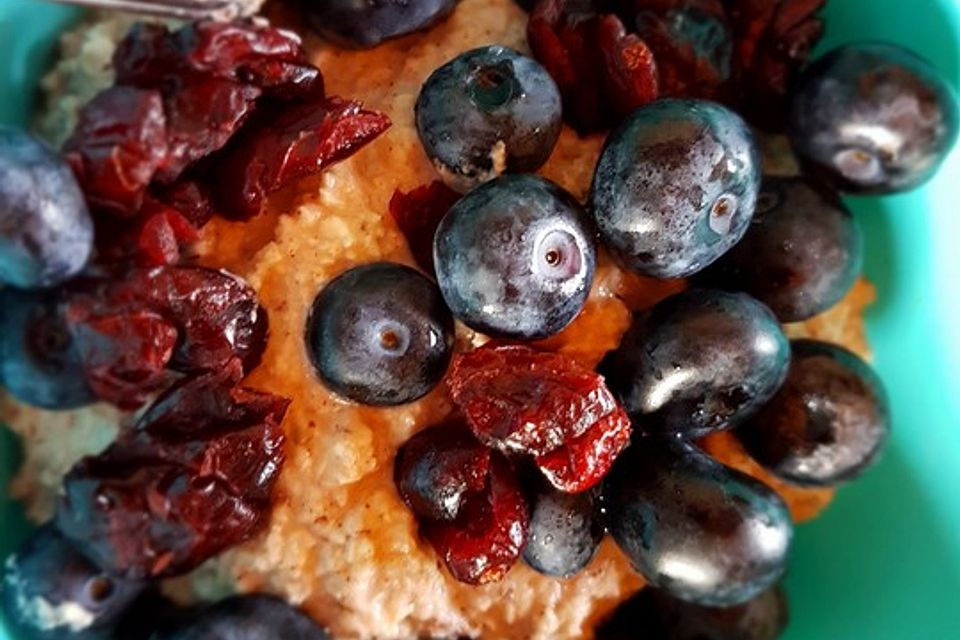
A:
[884,560]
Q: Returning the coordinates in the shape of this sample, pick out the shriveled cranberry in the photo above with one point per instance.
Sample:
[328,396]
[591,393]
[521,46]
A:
[296,141]
[489,534]
[118,144]
[167,496]
[418,214]
[438,468]
[161,235]
[584,461]
[190,198]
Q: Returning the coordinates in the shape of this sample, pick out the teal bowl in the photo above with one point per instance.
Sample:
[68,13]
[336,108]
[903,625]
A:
[884,561]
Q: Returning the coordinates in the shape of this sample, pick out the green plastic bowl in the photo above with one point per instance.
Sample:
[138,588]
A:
[884,561]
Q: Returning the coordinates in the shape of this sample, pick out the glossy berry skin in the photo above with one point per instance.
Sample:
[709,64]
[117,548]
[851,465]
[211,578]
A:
[827,424]
[800,256]
[46,232]
[875,118]
[366,24]
[488,111]
[379,334]
[515,258]
[248,617]
[39,361]
[675,186]
[698,530]
[663,617]
[49,591]
[565,530]
[698,362]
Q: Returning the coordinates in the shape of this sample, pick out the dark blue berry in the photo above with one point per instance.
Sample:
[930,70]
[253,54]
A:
[380,334]
[675,186]
[488,111]
[51,592]
[698,362]
[875,118]
[694,528]
[515,258]
[39,362]
[248,617]
[367,23]
[801,254]
[828,422]
[46,232]
[666,618]
[565,530]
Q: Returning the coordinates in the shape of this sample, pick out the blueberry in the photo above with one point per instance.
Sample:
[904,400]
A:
[694,528]
[875,118]
[379,334]
[565,531]
[801,254]
[488,111]
[515,258]
[367,23]
[46,232]
[828,422]
[675,186]
[698,362]
[248,617]
[51,592]
[39,362]
[663,617]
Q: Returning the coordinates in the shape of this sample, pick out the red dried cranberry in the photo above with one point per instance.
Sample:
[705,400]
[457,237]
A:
[486,540]
[162,233]
[152,506]
[117,146]
[518,399]
[190,198]
[418,213]
[584,461]
[298,140]
[438,468]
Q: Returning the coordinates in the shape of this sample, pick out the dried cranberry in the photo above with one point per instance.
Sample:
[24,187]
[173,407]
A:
[162,233]
[299,140]
[518,399]
[584,461]
[157,506]
[190,198]
[486,540]
[418,213]
[117,146]
[438,468]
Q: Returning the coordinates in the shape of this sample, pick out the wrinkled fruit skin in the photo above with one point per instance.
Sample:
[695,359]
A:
[486,539]
[418,214]
[827,424]
[46,232]
[40,363]
[515,258]
[193,478]
[437,469]
[565,530]
[487,111]
[874,118]
[248,617]
[801,254]
[675,187]
[48,591]
[764,617]
[542,404]
[379,334]
[699,362]
[367,24]
[700,531]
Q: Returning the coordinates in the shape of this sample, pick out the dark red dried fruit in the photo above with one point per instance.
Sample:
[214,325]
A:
[584,461]
[418,214]
[298,140]
[437,469]
[162,500]
[486,540]
[522,400]
[163,231]
[117,146]
[190,198]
